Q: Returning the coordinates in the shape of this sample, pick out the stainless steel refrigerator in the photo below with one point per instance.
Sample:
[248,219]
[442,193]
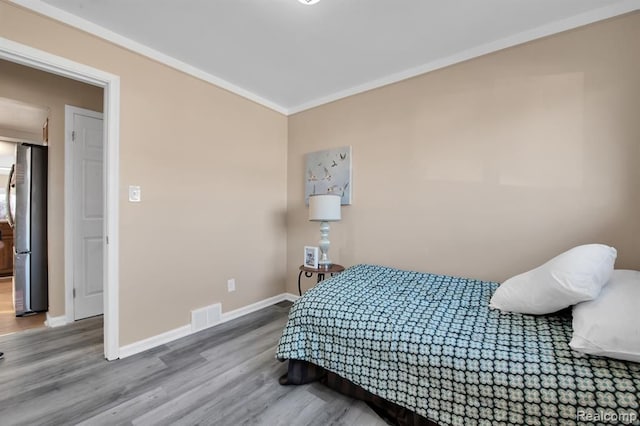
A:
[27,214]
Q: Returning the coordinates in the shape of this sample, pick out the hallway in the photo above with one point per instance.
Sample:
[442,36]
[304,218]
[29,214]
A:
[9,323]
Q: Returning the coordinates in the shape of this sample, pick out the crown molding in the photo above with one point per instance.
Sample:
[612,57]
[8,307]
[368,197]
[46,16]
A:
[119,40]
[556,27]
[618,8]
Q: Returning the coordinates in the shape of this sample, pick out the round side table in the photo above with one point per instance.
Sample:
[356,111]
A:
[320,271]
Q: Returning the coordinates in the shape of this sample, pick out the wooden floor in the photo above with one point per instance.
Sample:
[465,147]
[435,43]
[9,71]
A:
[226,375]
[9,323]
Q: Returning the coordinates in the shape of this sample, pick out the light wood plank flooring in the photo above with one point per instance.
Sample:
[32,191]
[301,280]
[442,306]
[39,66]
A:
[9,323]
[226,375]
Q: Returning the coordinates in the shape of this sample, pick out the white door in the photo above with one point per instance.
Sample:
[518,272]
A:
[87,212]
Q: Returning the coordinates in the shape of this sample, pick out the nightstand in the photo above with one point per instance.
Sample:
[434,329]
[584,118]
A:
[320,271]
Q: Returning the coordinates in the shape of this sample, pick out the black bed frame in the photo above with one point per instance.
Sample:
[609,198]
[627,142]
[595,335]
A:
[303,372]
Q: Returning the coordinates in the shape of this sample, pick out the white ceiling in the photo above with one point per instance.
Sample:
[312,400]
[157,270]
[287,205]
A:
[291,56]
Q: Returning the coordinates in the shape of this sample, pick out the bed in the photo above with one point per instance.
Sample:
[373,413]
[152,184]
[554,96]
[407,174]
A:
[430,345]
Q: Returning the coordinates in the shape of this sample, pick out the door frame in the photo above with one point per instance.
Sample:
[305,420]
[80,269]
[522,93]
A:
[38,59]
[70,198]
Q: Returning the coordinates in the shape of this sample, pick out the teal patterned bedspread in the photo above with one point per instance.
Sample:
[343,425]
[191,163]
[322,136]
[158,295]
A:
[431,343]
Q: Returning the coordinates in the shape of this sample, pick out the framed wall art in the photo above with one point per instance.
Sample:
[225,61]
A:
[328,172]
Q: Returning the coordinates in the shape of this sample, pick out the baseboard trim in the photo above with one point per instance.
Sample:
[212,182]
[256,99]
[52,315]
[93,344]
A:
[53,322]
[154,341]
[186,330]
[237,313]
[291,297]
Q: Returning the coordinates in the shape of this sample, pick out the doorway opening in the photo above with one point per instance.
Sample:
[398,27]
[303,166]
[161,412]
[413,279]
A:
[33,58]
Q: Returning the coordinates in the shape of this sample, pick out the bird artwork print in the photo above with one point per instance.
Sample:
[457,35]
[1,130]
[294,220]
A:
[329,172]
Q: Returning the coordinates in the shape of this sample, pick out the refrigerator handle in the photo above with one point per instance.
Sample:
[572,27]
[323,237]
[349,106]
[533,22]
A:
[8,195]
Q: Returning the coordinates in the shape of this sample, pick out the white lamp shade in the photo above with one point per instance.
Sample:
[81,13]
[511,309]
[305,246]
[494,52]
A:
[324,208]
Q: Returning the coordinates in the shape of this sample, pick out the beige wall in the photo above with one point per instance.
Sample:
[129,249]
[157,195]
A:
[489,167]
[212,167]
[53,92]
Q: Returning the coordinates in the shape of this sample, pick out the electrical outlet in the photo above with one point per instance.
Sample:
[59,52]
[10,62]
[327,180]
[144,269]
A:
[231,285]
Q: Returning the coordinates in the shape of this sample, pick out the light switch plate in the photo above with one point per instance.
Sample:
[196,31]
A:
[134,193]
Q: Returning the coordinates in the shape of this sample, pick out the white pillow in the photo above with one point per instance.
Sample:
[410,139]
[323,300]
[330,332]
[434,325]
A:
[610,324]
[571,277]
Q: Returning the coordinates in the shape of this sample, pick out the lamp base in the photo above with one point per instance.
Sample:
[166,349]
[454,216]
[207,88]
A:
[324,264]
[324,244]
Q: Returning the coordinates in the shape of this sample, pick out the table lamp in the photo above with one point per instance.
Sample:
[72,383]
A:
[324,209]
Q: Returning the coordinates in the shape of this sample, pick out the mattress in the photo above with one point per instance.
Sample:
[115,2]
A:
[430,343]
